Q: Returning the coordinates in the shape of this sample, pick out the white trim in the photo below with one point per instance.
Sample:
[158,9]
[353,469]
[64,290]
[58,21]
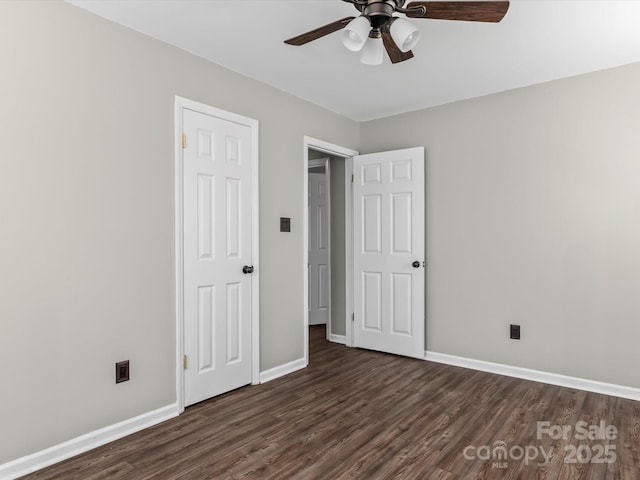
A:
[62,451]
[179,254]
[184,103]
[348,250]
[255,251]
[317,162]
[305,254]
[536,375]
[336,150]
[326,147]
[337,338]
[281,370]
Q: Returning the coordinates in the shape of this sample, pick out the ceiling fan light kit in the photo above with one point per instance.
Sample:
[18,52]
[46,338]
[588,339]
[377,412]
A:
[373,51]
[377,28]
[404,33]
[355,35]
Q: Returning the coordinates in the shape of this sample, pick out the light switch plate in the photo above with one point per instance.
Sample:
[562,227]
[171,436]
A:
[122,371]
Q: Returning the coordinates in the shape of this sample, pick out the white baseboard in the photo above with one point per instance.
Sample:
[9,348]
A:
[338,338]
[282,370]
[536,375]
[57,453]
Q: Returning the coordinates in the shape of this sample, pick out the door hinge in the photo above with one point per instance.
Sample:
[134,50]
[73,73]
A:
[184,140]
[353,317]
[352,178]
[184,362]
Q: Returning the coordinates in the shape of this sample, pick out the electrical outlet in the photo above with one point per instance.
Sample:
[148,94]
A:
[122,371]
[514,331]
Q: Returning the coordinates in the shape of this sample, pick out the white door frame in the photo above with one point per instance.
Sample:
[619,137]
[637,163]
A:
[324,162]
[180,104]
[346,153]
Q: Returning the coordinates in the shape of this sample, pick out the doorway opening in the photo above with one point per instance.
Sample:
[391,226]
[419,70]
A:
[319,215]
[327,241]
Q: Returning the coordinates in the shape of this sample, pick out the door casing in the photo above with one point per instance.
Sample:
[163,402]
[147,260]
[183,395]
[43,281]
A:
[180,104]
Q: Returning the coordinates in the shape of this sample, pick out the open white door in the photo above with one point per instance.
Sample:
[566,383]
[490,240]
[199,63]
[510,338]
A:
[388,230]
[217,256]
[319,273]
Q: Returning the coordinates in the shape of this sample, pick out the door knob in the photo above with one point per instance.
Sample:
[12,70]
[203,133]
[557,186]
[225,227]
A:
[247,269]
[416,264]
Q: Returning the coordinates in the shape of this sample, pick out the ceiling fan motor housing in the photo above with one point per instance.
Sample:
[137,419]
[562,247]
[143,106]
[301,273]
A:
[380,11]
[383,8]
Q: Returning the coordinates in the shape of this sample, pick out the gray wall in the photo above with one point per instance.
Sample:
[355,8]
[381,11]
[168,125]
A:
[86,212]
[533,217]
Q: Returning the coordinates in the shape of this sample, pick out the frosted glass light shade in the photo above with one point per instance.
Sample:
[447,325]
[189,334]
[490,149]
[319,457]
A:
[405,34]
[355,34]
[373,51]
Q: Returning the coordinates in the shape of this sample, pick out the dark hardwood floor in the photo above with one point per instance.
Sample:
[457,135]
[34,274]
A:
[367,415]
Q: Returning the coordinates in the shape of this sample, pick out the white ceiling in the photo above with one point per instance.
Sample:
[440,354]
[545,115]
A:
[537,41]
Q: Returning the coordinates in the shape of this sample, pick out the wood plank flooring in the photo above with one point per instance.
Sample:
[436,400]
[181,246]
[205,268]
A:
[357,414]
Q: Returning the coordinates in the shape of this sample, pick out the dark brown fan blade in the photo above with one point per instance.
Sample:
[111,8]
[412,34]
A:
[468,11]
[319,32]
[395,54]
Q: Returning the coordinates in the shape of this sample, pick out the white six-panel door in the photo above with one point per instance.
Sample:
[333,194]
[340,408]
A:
[217,206]
[318,249]
[388,230]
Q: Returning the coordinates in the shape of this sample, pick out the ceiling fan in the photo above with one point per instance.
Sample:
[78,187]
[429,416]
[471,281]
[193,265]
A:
[377,29]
